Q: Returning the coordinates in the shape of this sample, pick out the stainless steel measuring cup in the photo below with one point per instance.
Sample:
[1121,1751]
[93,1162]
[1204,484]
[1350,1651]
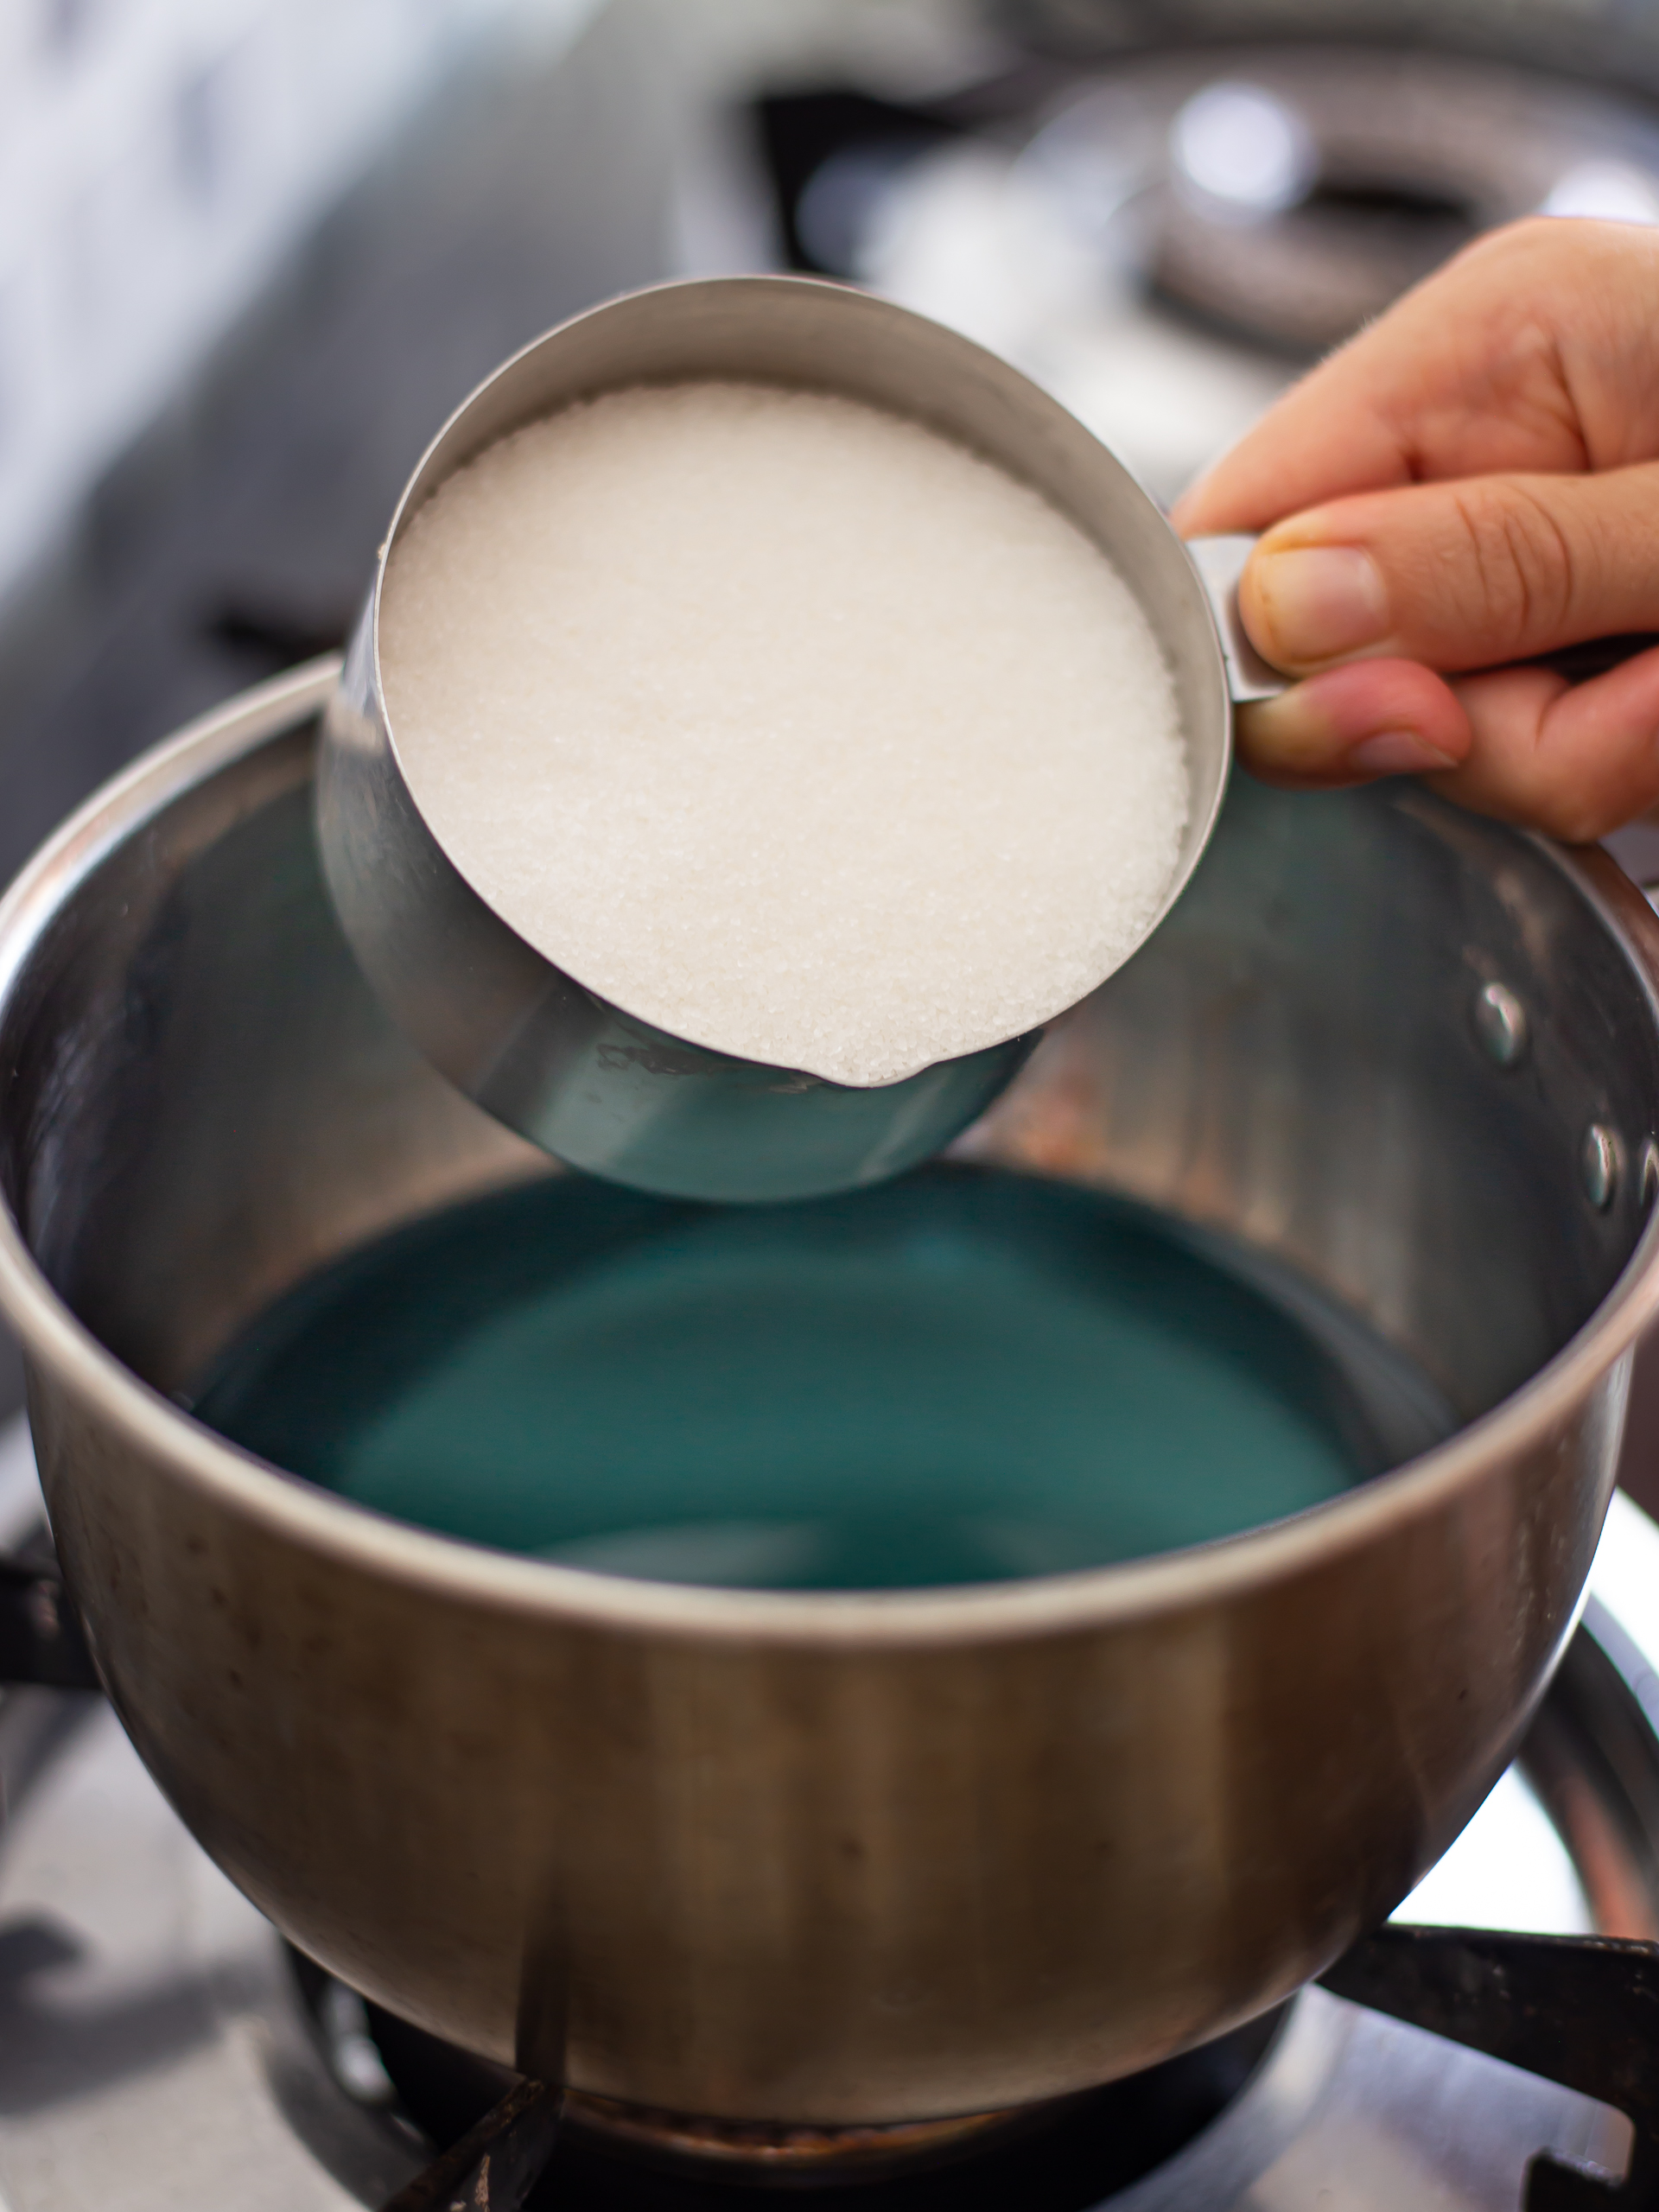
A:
[580,1076]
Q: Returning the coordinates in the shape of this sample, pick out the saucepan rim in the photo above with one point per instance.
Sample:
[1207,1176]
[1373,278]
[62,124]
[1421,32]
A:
[292,1508]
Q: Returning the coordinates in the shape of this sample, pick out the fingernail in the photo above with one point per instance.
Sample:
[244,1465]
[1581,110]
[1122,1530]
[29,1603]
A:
[1396,752]
[1317,602]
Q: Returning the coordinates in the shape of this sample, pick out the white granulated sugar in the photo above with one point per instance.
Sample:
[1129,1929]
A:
[784,724]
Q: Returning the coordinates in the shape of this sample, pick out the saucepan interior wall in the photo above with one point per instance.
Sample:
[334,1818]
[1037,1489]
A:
[1376,1038]
[205,1102]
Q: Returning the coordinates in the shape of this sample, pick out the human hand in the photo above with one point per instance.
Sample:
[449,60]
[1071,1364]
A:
[1471,481]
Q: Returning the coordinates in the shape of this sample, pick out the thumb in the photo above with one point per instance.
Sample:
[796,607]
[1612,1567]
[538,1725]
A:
[1458,575]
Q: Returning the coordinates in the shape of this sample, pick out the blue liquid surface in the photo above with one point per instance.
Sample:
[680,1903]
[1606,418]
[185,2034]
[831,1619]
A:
[961,1377]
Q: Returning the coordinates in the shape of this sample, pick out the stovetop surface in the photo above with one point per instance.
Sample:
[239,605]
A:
[155,2052]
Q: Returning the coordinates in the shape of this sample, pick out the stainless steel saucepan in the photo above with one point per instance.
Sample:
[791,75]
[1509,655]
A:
[814,1857]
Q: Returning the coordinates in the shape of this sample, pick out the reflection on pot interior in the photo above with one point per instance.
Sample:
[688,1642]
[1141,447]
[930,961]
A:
[962,1378]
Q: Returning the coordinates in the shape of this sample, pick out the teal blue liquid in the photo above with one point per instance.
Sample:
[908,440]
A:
[961,1377]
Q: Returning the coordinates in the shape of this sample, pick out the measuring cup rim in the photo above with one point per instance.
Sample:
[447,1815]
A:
[1206,781]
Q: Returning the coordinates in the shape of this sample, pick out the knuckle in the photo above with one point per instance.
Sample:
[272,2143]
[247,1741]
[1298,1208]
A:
[1520,563]
[1599,794]
[1528,235]
[1532,240]
[1573,819]
[1571,809]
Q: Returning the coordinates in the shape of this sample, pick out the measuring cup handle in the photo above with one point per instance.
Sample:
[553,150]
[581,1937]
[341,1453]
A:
[1220,563]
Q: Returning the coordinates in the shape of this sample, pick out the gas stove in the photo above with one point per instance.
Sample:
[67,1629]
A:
[162,2046]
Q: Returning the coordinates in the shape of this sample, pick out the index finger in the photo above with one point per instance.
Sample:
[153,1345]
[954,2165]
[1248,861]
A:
[1537,349]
